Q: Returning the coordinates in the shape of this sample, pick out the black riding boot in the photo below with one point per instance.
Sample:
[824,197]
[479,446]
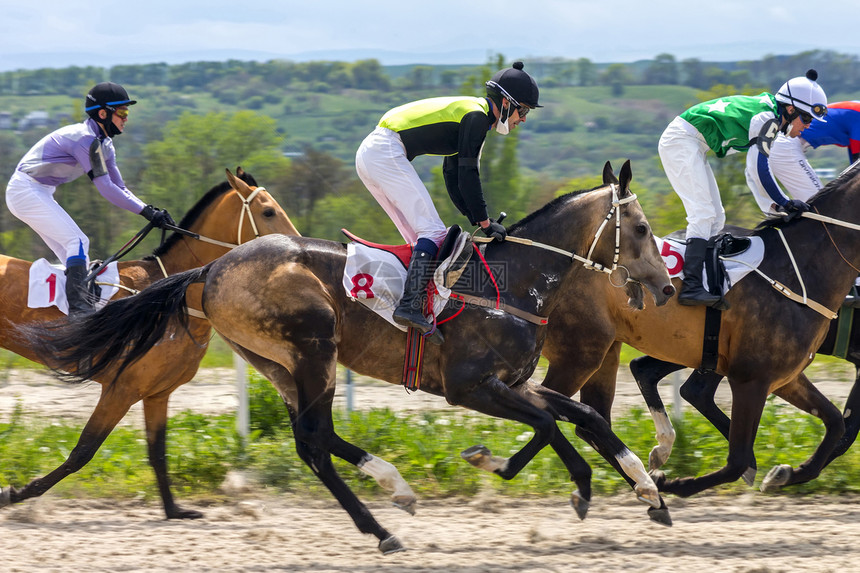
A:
[693,292]
[410,310]
[80,301]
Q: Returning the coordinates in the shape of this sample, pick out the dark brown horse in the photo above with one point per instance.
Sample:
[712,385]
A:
[700,388]
[766,340]
[279,301]
[232,213]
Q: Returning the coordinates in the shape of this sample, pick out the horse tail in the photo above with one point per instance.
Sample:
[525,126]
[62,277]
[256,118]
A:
[117,335]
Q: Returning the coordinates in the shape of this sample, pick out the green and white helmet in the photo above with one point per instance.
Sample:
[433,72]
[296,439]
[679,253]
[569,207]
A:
[805,94]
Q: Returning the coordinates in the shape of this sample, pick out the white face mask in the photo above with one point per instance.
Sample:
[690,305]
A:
[502,123]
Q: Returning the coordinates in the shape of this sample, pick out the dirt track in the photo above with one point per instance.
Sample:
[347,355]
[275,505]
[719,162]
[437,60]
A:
[258,531]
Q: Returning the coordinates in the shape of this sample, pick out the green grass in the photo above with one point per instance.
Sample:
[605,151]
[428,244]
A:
[424,447]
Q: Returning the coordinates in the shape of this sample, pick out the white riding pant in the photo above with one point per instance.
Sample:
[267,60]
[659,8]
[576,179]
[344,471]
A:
[789,165]
[34,203]
[683,151]
[382,166]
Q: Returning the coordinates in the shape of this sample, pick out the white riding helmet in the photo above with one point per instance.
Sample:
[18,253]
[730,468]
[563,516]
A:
[805,94]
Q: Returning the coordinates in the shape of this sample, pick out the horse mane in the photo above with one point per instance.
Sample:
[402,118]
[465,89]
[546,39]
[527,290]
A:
[554,205]
[843,179]
[197,210]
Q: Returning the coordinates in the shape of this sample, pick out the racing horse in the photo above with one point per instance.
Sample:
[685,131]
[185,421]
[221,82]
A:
[700,388]
[231,213]
[765,342]
[280,303]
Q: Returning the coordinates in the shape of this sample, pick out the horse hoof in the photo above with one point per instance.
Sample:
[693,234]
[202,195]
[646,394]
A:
[476,455]
[657,458]
[649,495]
[749,476]
[390,545]
[406,503]
[776,478]
[579,504]
[660,515]
[5,496]
[179,513]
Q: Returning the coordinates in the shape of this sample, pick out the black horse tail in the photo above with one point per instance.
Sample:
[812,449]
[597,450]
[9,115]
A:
[117,335]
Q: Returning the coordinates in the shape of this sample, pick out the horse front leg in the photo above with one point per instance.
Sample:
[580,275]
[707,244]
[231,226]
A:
[595,429]
[111,408]
[851,417]
[699,390]
[801,393]
[155,419]
[748,399]
[648,372]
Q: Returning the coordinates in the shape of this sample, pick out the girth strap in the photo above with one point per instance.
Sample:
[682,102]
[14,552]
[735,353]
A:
[500,305]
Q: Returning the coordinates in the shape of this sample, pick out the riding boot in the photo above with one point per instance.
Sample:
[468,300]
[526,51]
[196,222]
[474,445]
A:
[409,311]
[80,302]
[693,291]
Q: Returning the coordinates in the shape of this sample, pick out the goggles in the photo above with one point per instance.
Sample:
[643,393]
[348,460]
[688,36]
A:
[521,108]
[806,118]
[121,113]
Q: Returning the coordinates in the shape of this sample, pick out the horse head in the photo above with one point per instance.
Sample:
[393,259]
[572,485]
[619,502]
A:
[638,261]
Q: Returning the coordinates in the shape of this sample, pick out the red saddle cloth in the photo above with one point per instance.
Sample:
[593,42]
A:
[402,252]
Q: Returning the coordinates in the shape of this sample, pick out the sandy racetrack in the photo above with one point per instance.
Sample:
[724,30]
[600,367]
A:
[259,531]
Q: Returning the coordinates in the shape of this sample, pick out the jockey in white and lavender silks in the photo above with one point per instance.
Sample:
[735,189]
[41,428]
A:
[65,155]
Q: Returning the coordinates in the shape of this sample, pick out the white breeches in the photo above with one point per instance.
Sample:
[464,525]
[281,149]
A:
[34,204]
[683,152]
[382,166]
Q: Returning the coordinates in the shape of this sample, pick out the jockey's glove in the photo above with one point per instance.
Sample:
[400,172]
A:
[495,230]
[793,205]
[159,218]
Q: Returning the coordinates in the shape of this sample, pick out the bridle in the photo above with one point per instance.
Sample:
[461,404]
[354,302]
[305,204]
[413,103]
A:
[587,261]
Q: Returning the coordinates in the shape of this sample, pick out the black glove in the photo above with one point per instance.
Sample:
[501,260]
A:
[795,205]
[495,230]
[159,218]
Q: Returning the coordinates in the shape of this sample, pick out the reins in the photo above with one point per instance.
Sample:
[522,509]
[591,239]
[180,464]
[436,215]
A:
[586,261]
[246,209]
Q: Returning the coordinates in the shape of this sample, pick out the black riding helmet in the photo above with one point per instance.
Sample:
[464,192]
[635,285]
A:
[514,84]
[107,96]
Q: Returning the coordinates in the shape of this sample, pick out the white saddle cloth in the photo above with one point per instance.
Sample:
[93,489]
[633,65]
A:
[48,285]
[737,267]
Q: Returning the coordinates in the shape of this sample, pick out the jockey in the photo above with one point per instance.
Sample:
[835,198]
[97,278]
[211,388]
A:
[456,128]
[730,125]
[63,156]
[788,156]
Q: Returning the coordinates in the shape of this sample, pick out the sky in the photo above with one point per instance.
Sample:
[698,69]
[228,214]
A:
[60,33]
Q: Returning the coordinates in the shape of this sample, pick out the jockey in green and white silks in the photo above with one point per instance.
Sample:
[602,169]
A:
[454,127]
[729,125]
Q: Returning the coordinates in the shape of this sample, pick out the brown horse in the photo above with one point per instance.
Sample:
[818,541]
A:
[232,213]
[766,340]
[280,302]
[700,388]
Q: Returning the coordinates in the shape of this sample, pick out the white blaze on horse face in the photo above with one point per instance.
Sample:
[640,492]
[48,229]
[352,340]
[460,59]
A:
[387,476]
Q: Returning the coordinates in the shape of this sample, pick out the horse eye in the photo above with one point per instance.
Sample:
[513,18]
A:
[642,229]
[268,212]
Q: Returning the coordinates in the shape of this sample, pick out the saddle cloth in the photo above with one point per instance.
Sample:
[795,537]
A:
[375,276]
[737,266]
[48,285]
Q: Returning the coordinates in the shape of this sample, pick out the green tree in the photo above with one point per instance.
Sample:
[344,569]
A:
[616,77]
[586,72]
[663,70]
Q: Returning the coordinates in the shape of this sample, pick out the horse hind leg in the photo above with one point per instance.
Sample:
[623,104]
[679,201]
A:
[111,408]
[155,417]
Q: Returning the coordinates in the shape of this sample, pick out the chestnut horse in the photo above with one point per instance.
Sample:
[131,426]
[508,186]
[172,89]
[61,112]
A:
[230,214]
[766,340]
[279,301]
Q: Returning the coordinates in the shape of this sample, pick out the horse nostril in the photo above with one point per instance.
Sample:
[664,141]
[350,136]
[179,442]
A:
[668,290]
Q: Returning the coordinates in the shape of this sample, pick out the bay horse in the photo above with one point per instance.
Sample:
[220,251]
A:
[700,388]
[232,213]
[765,342]
[280,303]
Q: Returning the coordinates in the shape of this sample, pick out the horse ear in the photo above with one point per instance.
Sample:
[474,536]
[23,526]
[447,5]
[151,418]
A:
[626,175]
[239,171]
[608,175]
[231,179]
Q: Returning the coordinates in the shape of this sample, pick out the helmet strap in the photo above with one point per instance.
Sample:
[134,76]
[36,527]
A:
[788,117]
[107,123]
[504,114]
